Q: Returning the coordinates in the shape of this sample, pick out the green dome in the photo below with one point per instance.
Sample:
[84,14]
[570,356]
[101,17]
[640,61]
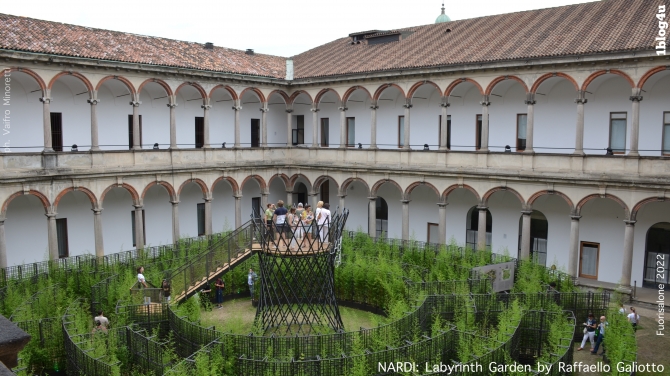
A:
[442,17]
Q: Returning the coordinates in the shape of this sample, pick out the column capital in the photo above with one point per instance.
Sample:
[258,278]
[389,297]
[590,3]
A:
[373,198]
[207,199]
[176,202]
[405,201]
[446,104]
[529,102]
[636,98]
[93,102]
[97,211]
[171,105]
[138,207]
[315,109]
[263,109]
[46,100]
[237,108]
[480,207]
[206,107]
[374,107]
[2,221]
[237,197]
[485,103]
[526,212]
[343,109]
[51,215]
[341,196]
[289,110]
[442,204]
[575,217]
[408,105]
[581,100]
[135,103]
[629,222]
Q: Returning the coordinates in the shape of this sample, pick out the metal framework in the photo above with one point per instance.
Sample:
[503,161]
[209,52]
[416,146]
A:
[297,275]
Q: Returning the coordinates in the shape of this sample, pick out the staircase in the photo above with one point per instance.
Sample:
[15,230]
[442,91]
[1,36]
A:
[220,258]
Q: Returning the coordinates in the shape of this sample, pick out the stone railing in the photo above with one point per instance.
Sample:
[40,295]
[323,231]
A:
[656,169]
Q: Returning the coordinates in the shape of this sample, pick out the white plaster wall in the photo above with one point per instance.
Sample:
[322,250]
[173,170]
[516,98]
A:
[251,189]
[359,109]
[460,201]
[189,198]
[117,231]
[113,114]
[26,231]
[505,210]
[277,191]
[26,132]
[76,115]
[277,127]
[656,101]
[188,108]
[221,119]
[609,96]
[425,118]
[390,107]
[158,216]
[328,109]
[649,215]
[302,107]
[422,209]
[155,117]
[463,112]
[223,207]
[332,198]
[557,212]
[503,116]
[555,118]
[358,204]
[76,207]
[392,195]
[602,222]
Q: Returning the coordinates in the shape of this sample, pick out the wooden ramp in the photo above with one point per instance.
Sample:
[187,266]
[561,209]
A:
[217,273]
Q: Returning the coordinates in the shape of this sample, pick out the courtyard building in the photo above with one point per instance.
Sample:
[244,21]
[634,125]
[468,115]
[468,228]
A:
[543,133]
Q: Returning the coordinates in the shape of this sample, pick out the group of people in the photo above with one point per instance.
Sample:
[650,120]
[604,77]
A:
[594,331]
[298,223]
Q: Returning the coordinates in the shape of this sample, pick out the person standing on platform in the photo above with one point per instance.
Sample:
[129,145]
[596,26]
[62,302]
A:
[269,212]
[279,219]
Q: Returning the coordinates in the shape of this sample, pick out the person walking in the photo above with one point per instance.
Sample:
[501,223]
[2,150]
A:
[219,285]
[600,336]
[251,280]
[165,286]
[140,277]
[633,318]
[269,212]
[589,331]
[323,218]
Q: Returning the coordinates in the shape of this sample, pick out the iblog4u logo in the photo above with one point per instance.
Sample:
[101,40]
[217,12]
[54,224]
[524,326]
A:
[662,27]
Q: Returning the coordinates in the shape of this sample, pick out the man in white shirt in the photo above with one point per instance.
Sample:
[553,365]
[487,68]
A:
[101,322]
[323,218]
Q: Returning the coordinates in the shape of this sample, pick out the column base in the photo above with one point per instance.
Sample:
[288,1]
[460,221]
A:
[634,154]
[579,153]
[529,151]
[443,148]
[372,147]
[96,148]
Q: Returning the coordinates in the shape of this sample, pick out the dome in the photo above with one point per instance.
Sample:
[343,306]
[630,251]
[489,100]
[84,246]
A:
[442,17]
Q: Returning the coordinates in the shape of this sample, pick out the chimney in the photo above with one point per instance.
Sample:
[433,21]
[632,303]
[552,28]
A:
[289,69]
[209,46]
[250,51]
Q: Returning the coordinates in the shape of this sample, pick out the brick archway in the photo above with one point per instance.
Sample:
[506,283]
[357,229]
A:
[323,92]
[123,80]
[382,88]
[133,193]
[258,179]
[451,188]
[296,94]
[546,76]
[582,202]
[30,73]
[160,82]
[80,76]
[256,91]
[497,80]
[164,184]
[539,194]
[227,88]
[351,90]
[378,184]
[641,203]
[416,86]
[283,178]
[43,199]
[86,191]
[345,184]
[650,73]
[321,179]
[411,187]
[487,195]
[453,85]
[282,94]
[196,86]
[597,74]
[199,182]
[295,177]
[231,182]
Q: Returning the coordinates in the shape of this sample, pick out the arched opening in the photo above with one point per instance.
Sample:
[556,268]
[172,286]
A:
[391,118]
[508,116]
[553,97]
[657,255]
[221,118]
[465,114]
[426,117]
[118,224]
[382,217]
[192,220]
[302,125]
[655,116]
[158,215]
[607,119]
[300,193]
[74,218]
[70,114]
[27,134]
[190,118]
[155,115]
[115,116]
[26,231]
[539,232]
[473,226]
[329,120]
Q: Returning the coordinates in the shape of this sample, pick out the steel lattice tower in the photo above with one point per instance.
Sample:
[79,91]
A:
[297,277]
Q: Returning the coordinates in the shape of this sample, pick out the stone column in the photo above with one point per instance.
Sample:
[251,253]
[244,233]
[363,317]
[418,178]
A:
[315,127]
[97,231]
[46,121]
[3,244]
[405,218]
[205,120]
[636,98]
[573,256]
[264,125]
[238,210]
[341,201]
[237,109]
[443,124]
[481,228]
[314,200]
[627,266]
[52,235]
[289,198]
[485,123]
[175,221]
[525,234]
[139,226]
[530,121]
[372,217]
[264,201]
[289,127]
[95,146]
[343,126]
[579,134]
[136,124]
[442,213]
[173,124]
[208,215]
[407,106]
[373,125]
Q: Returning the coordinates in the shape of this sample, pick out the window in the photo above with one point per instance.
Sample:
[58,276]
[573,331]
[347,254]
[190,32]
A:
[401,131]
[256,207]
[588,260]
[255,133]
[199,132]
[144,233]
[325,191]
[618,132]
[478,136]
[666,133]
[521,126]
[300,129]
[324,132]
[130,131]
[57,131]
[351,132]
[201,219]
[61,236]
[433,235]
[439,132]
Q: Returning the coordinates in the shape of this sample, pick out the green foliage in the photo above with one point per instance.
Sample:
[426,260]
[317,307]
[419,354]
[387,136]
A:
[619,340]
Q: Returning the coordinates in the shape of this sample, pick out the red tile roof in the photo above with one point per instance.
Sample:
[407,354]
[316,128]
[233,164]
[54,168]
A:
[29,34]
[591,28]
